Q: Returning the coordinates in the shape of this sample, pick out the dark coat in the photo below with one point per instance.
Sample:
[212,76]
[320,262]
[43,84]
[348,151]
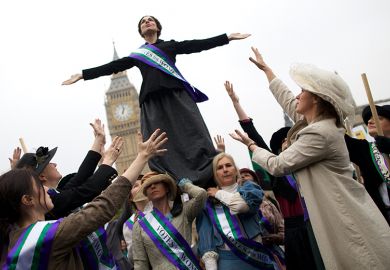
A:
[82,187]
[165,104]
[359,153]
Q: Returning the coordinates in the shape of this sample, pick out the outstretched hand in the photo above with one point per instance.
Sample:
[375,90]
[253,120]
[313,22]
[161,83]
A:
[259,61]
[98,129]
[152,146]
[113,152]
[74,78]
[100,136]
[241,137]
[220,142]
[231,93]
[237,36]
[15,157]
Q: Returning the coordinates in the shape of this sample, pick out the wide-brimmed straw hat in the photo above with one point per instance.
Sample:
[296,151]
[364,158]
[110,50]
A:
[152,178]
[328,85]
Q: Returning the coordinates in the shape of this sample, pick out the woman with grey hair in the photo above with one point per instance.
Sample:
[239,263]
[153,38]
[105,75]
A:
[349,229]
[229,228]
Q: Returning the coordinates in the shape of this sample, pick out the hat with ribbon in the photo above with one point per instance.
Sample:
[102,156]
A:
[37,161]
[328,85]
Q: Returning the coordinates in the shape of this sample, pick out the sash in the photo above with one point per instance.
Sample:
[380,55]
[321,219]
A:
[380,163]
[94,251]
[248,250]
[264,222]
[32,249]
[130,222]
[292,181]
[154,57]
[169,241]
[302,199]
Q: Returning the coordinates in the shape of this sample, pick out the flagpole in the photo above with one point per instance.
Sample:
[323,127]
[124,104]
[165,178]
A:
[24,147]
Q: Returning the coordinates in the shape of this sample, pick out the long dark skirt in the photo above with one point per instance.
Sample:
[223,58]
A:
[301,249]
[190,148]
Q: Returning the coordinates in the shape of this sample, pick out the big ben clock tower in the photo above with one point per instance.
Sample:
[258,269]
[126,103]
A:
[122,110]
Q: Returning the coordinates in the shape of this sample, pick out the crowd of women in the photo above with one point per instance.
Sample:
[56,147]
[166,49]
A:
[196,209]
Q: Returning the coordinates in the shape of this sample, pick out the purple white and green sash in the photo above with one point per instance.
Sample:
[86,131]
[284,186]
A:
[169,240]
[32,249]
[291,180]
[246,249]
[130,222]
[154,57]
[303,203]
[94,251]
[380,163]
[264,222]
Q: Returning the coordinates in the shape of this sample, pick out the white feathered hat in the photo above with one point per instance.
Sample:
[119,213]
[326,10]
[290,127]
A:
[328,85]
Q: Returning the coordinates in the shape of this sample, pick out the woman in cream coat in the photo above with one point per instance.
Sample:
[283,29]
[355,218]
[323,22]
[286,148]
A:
[349,229]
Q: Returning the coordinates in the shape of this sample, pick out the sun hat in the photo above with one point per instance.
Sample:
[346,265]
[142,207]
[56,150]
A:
[328,85]
[152,178]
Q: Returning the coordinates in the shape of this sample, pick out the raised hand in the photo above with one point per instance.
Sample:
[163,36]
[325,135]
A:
[259,61]
[238,36]
[220,142]
[231,93]
[100,135]
[15,157]
[113,151]
[152,146]
[241,137]
[74,78]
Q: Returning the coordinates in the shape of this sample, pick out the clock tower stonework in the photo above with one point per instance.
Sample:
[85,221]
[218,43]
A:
[123,116]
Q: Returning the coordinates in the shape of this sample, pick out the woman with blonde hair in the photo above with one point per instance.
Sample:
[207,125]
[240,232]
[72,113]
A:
[350,231]
[231,217]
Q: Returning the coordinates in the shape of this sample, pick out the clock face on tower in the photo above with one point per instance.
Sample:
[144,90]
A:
[122,112]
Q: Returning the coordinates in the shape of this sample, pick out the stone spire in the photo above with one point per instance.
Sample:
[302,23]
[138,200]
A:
[115,53]
[119,81]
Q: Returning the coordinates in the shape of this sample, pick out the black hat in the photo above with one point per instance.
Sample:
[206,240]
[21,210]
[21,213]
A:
[381,110]
[37,161]
[277,139]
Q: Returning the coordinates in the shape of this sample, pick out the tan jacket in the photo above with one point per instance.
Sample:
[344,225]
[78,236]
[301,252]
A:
[350,231]
[145,252]
[77,226]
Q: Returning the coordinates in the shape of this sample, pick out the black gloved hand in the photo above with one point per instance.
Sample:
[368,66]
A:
[383,144]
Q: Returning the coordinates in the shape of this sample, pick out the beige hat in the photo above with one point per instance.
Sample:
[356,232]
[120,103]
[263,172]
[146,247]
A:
[152,178]
[327,85]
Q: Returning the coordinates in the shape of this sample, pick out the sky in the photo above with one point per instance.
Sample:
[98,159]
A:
[44,42]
